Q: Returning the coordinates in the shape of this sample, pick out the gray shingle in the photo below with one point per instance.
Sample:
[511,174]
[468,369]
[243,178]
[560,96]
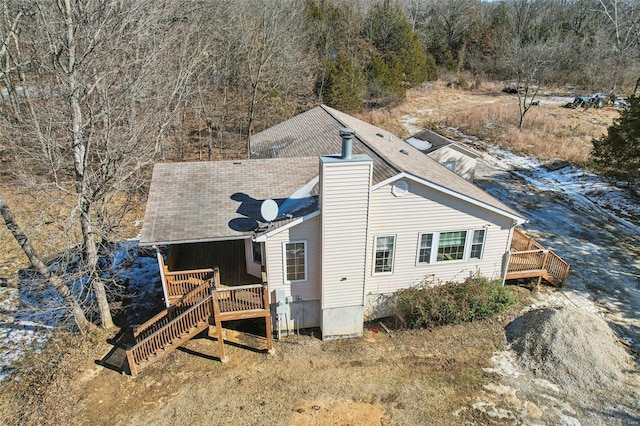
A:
[206,201]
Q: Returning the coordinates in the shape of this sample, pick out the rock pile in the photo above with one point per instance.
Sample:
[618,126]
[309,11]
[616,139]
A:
[574,348]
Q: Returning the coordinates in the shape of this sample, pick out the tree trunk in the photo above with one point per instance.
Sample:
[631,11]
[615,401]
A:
[79,147]
[42,268]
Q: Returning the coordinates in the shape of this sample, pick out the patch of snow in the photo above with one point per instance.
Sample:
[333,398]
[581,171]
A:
[419,144]
[300,199]
[547,385]
[560,100]
[504,363]
[410,122]
[28,314]
[568,420]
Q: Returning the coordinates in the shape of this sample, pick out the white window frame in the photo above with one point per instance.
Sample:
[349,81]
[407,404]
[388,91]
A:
[253,253]
[431,259]
[482,244]
[435,244]
[375,252]
[465,247]
[284,261]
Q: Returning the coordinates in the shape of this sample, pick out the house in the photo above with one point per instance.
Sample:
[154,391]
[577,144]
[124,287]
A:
[454,156]
[329,217]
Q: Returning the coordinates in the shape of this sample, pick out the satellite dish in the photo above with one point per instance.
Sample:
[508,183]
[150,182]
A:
[269,210]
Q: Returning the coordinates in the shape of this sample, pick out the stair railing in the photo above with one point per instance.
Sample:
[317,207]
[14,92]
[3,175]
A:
[173,331]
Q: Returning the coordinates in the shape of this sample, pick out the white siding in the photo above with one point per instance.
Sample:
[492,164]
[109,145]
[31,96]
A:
[308,231]
[423,210]
[465,165]
[345,191]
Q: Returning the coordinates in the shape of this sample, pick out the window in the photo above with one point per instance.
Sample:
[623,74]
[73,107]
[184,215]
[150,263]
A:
[256,250]
[424,251]
[455,245]
[384,254]
[477,244]
[451,165]
[296,261]
[451,245]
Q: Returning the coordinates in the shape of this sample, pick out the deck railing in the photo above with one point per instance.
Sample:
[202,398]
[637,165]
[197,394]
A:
[522,242]
[529,258]
[180,283]
[556,267]
[204,301]
[241,298]
[526,260]
[164,317]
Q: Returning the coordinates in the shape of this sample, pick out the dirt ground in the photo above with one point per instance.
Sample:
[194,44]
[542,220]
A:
[406,377]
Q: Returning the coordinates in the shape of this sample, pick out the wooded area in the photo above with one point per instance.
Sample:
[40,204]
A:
[94,92]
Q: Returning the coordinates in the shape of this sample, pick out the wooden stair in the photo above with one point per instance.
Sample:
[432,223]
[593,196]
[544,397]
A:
[171,328]
[205,302]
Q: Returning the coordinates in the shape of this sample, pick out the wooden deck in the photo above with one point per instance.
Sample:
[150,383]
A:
[198,302]
[530,259]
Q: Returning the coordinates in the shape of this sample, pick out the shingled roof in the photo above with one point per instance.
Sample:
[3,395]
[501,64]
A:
[218,200]
[316,132]
[208,201]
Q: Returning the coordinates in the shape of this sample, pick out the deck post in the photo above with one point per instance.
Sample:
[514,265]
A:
[163,277]
[132,364]
[544,259]
[216,277]
[267,318]
[218,323]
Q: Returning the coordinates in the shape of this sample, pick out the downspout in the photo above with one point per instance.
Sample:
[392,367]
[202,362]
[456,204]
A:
[505,267]
[163,278]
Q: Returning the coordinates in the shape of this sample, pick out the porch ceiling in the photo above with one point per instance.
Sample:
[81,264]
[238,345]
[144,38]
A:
[209,201]
[229,256]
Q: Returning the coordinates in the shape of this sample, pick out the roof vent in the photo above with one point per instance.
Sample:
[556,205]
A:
[347,142]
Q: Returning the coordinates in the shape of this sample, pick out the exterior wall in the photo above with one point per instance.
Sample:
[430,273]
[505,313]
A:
[424,210]
[253,268]
[302,314]
[344,199]
[308,290]
[345,187]
[465,165]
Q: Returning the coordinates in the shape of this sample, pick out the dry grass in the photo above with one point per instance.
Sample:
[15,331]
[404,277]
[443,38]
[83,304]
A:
[550,131]
[44,215]
[39,395]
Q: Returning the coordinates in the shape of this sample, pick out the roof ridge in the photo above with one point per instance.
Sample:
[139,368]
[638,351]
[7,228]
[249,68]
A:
[362,140]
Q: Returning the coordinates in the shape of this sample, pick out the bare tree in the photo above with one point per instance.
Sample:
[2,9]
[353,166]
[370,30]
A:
[529,63]
[109,77]
[269,33]
[72,304]
[622,18]
[453,21]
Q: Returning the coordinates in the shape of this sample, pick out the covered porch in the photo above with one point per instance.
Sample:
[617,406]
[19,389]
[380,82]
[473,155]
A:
[185,263]
[530,259]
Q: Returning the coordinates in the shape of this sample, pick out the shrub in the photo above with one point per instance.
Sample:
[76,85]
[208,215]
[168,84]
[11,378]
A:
[452,303]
